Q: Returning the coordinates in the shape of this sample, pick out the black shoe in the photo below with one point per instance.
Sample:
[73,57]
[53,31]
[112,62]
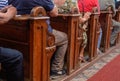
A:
[55,72]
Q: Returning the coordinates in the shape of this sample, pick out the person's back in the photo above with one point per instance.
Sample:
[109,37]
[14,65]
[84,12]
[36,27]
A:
[25,6]
[87,5]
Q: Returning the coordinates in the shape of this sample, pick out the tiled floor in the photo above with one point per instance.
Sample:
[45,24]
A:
[85,75]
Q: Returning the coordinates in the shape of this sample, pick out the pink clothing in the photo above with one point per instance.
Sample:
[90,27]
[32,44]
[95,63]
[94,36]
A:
[87,5]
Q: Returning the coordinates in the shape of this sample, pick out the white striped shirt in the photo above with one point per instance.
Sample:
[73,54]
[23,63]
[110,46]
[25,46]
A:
[3,3]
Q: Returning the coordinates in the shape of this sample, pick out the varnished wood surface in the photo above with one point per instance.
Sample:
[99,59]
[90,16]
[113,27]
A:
[106,24]
[29,35]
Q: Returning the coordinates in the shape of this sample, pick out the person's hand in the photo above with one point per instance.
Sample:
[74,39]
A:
[87,15]
[4,9]
[4,18]
[8,14]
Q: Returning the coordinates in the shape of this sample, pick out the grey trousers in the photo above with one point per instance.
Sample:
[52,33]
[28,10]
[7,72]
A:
[61,42]
[115,31]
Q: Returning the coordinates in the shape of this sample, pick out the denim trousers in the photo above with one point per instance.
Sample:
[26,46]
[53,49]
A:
[12,62]
[61,42]
[99,38]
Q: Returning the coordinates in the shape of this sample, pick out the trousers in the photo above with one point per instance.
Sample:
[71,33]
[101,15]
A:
[12,62]
[61,42]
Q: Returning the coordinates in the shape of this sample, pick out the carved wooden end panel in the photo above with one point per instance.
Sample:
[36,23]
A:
[68,23]
[93,34]
[29,34]
[106,24]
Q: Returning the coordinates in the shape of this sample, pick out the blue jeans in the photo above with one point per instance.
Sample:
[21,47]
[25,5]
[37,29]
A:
[12,61]
[99,38]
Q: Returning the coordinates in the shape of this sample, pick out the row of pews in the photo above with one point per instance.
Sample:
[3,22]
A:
[28,34]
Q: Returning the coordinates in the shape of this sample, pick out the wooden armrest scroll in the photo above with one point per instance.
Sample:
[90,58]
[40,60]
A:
[38,11]
[50,40]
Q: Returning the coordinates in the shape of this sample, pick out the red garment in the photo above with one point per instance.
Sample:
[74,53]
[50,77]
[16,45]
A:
[87,5]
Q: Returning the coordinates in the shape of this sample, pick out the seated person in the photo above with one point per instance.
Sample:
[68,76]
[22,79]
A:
[11,60]
[117,4]
[85,8]
[116,25]
[61,41]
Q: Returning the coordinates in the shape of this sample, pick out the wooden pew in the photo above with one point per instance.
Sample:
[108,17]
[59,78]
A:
[106,24]
[117,17]
[93,34]
[29,34]
[68,23]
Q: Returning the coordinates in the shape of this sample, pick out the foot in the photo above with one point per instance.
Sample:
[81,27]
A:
[82,59]
[56,74]
[60,72]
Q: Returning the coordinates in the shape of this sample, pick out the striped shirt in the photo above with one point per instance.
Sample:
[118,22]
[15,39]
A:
[3,3]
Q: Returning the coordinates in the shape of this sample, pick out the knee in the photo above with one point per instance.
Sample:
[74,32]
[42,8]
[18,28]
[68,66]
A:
[65,37]
[18,55]
[11,54]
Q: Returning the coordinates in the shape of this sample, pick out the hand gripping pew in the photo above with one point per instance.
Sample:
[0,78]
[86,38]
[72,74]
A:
[29,34]
[106,24]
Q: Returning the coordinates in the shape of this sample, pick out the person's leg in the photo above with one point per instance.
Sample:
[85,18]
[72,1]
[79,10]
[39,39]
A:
[12,61]
[99,42]
[61,42]
[115,31]
[82,47]
[99,39]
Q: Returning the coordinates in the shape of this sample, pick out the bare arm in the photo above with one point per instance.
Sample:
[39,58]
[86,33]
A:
[7,13]
[85,17]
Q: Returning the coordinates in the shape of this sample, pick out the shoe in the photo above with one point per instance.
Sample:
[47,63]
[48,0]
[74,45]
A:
[55,72]
[111,45]
[98,51]
[82,59]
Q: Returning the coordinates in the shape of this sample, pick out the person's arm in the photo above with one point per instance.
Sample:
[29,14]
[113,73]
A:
[54,12]
[85,17]
[9,13]
[57,3]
